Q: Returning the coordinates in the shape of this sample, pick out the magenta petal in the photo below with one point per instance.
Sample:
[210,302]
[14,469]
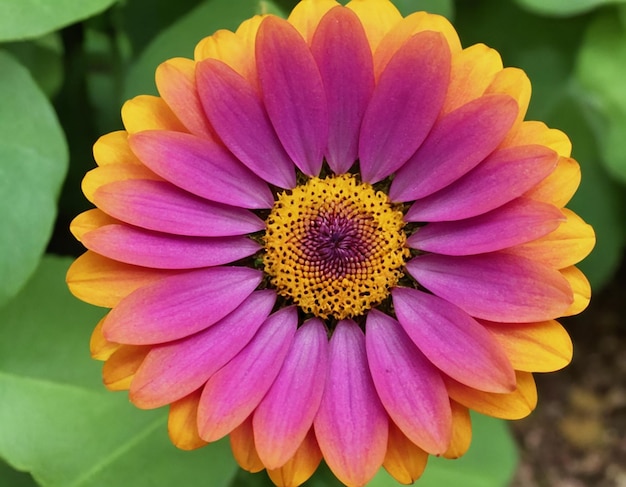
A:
[351,425]
[457,143]
[453,341]
[517,222]
[180,305]
[293,93]
[343,55]
[405,104]
[232,393]
[238,117]
[502,177]
[409,386]
[146,248]
[201,167]
[285,415]
[160,206]
[174,370]
[496,287]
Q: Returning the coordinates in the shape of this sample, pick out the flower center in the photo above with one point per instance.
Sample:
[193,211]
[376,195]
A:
[334,246]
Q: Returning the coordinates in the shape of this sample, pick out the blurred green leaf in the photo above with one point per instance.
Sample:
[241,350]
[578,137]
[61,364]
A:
[59,423]
[564,7]
[602,71]
[441,7]
[12,478]
[33,163]
[180,39]
[25,19]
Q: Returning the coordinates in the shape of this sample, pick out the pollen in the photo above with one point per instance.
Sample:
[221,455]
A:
[334,246]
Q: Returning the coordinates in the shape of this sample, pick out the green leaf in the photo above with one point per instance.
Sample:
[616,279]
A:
[59,423]
[601,71]
[12,478]
[33,163]
[564,7]
[441,7]
[180,39]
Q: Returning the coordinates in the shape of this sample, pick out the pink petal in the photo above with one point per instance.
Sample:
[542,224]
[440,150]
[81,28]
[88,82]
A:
[351,425]
[456,144]
[233,392]
[160,206]
[177,306]
[404,105]
[239,118]
[514,223]
[502,177]
[293,93]
[495,286]
[146,248]
[174,370]
[409,386]
[201,167]
[286,413]
[453,341]
[343,55]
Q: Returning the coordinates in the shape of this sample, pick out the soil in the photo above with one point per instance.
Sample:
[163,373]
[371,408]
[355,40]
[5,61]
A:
[577,435]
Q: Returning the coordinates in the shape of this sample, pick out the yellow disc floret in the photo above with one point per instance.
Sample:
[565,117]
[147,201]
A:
[334,246]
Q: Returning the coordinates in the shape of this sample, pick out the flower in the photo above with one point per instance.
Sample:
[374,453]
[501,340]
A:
[330,237]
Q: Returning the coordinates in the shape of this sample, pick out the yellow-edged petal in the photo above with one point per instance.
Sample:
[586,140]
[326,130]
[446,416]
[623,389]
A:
[182,422]
[105,282]
[231,49]
[301,466]
[113,148]
[559,187]
[515,83]
[100,347]
[86,222]
[532,132]
[514,405]
[473,70]
[114,172]
[581,288]
[242,445]
[306,16]
[377,16]
[404,460]
[461,431]
[534,347]
[120,368]
[146,112]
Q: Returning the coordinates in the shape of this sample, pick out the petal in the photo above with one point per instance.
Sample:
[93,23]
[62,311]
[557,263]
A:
[404,460]
[160,206]
[301,466]
[182,423]
[119,369]
[403,30]
[88,221]
[231,49]
[461,431]
[515,83]
[180,305]
[147,112]
[514,223]
[175,369]
[533,347]
[453,341]
[285,415]
[293,93]
[151,249]
[377,17]
[581,288]
[502,177]
[567,245]
[457,143]
[404,105]
[201,167]
[242,445]
[100,347]
[345,62]
[351,424]
[239,118]
[111,173]
[236,389]
[307,14]
[408,385]
[538,133]
[473,69]
[560,185]
[496,286]
[104,282]
[113,148]
[176,82]
[514,405]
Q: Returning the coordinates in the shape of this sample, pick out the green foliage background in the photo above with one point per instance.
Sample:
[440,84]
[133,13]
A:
[66,66]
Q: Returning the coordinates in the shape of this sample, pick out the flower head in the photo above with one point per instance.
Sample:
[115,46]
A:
[330,237]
